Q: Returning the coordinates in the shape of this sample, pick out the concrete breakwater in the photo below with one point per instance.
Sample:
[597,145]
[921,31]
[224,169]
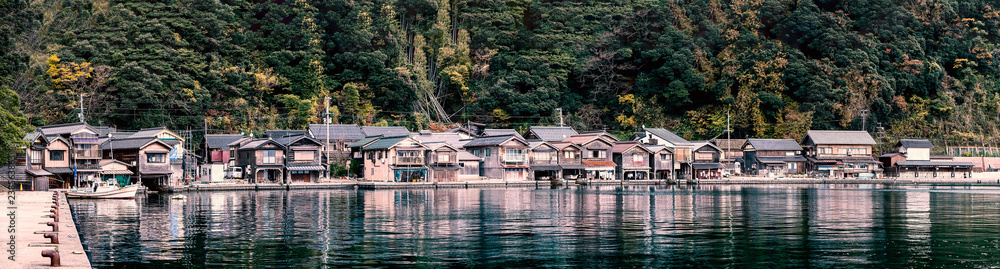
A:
[42,225]
[346,184]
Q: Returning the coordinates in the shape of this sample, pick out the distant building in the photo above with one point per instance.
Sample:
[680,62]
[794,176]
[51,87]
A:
[914,159]
[504,156]
[774,157]
[596,155]
[397,159]
[631,160]
[840,153]
[549,134]
[681,148]
[263,161]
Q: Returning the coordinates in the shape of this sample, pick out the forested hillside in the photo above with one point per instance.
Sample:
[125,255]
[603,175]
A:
[920,68]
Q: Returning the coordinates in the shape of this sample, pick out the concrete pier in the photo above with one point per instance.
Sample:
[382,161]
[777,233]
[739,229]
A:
[32,211]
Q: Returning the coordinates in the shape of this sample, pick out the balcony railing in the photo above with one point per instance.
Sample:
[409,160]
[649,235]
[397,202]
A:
[88,167]
[87,154]
[410,160]
[635,164]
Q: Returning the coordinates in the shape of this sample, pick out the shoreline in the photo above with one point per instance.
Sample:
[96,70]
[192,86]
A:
[373,185]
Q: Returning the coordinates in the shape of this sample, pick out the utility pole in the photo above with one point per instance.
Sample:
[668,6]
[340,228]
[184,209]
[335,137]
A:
[864,119]
[326,145]
[881,137]
[560,117]
[80,114]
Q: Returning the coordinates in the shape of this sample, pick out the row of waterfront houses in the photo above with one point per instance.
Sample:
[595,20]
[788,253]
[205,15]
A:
[67,155]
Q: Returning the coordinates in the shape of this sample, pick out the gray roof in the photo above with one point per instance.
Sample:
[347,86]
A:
[65,128]
[667,135]
[781,158]
[275,134]
[551,133]
[349,132]
[934,163]
[496,132]
[385,130]
[450,138]
[238,141]
[103,131]
[495,140]
[121,134]
[915,143]
[655,148]
[32,136]
[773,144]
[288,140]
[466,156]
[839,137]
[149,132]
[385,142]
[364,141]
[130,143]
[257,143]
[221,141]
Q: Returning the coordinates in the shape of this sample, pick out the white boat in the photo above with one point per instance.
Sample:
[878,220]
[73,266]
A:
[104,190]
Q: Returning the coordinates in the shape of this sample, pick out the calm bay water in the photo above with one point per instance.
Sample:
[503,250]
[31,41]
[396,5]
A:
[632,226]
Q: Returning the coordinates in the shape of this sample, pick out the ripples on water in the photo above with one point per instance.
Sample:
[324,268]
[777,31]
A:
[639,226]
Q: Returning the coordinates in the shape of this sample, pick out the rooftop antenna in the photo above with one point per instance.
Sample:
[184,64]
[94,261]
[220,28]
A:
[80,114]
[560,117]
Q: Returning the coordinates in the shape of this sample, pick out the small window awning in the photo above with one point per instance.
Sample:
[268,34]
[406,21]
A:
[707,166]
[306,168]
[599,163]
[59,170]
[572,166]
[546,167]
[39,173]
[116,172]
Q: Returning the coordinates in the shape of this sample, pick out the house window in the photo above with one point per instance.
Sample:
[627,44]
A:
[56,155]
[269,156]
[307,155]
[543,156]
[36,156]
[842,151]
[789,153]
[444,157]
[792,166]
[663,156]
[703,156]
[598,154]
[826,150]
[487,152]
[373,171]
[863,151]
[156,158]
[513,155]
[636,157]
[569,154]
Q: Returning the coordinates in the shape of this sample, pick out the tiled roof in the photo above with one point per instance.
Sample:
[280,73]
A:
[149,132]
[731,144]
[385,131]
[624,146]
[840,137]
[276,134]
[103,131]
[773,144]
[364,141]
[915,143]
[450,138]
[602,133]
[656,148]
[221,141]
[130,143]
[466,156]
[32,136]
[668,136]
[551,133]
[385,142]
[65,128]
[288,140]
[257,143]
[121,134]
[496,132]
[238,141]
[348,132]
[492,140]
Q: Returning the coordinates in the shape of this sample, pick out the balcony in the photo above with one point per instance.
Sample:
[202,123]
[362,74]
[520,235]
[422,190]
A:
[639,164]
[87,167]
[87,154]
[410,160]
